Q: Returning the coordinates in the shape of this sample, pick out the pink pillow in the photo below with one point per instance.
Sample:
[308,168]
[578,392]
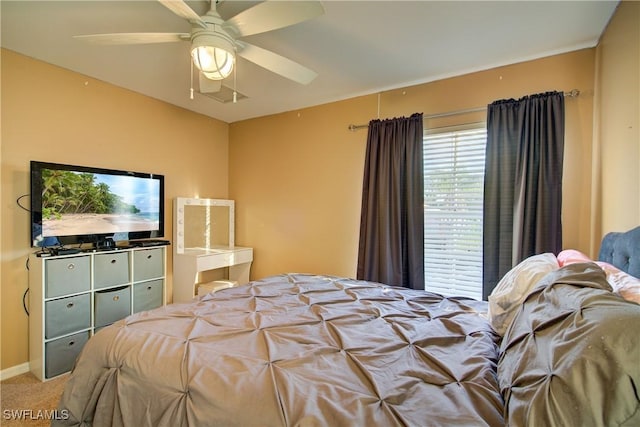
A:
[572,256]
[624,284]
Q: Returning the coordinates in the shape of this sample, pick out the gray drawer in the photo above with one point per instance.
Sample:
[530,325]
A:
[111,269]
[61,354]
[147,295]
[65,276]
[111,305]
[66,315]
[148,264]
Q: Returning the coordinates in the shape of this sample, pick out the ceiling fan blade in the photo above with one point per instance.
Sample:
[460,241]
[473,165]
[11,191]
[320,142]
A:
[183,10]
[276,63]
[207,85]
[271,15]
[134,38]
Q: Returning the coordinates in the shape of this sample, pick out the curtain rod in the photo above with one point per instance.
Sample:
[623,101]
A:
[571,94]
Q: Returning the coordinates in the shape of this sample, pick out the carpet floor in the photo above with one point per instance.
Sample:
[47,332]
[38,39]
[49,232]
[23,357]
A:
[26,401]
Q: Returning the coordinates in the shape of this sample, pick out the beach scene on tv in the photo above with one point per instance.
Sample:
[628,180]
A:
[80,203]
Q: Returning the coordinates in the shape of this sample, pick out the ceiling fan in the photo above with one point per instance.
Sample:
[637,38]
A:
[215,44]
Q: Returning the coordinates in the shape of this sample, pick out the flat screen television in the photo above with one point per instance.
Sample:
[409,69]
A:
[88,205]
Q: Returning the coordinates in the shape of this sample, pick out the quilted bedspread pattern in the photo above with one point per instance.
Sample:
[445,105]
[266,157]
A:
[293,350]
[572,354]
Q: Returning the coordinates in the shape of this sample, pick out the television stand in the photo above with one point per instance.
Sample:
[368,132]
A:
[73,296]
[149,242]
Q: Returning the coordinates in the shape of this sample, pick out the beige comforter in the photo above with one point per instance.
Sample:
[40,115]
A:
[293,350]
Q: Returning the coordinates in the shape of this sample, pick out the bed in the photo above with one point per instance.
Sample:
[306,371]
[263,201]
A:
[556,345]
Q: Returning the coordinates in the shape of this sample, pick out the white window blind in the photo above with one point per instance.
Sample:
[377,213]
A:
[453,201]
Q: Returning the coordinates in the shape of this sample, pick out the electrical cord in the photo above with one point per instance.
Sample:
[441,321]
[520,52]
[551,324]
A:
[26,264]
[18,202]
[24,296]
[24,301]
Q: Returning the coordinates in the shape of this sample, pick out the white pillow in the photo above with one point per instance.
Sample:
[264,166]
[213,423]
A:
[514,287]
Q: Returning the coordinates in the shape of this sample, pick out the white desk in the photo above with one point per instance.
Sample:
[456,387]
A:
[188,264]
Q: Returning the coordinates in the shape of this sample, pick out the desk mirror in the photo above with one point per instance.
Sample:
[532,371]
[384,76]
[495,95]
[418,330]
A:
[203,224]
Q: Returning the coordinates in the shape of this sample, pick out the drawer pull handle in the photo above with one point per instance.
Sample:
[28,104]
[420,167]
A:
[148,288]
[70,305]
[71,266]
[71,343]
[113,261]
[116,298]
[148,256]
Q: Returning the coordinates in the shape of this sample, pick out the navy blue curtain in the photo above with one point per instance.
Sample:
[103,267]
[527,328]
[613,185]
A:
[391,247]
[523,182]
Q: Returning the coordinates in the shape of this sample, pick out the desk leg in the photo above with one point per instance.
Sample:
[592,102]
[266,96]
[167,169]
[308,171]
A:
[240,273]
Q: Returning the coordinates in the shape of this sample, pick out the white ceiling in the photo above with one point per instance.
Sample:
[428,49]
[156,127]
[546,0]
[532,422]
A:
[356,47]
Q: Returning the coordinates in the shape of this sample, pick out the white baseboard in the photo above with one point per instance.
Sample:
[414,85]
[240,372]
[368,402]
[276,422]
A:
[14,371]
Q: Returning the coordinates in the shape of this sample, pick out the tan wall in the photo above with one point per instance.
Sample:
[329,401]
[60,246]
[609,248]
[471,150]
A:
[297,176]
[55,115]
[618,121]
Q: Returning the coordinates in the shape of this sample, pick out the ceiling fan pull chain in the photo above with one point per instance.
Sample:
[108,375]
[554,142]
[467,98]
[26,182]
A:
[235,93]
[191,95]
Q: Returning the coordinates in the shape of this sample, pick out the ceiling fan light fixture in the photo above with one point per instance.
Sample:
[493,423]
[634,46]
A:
[213,54]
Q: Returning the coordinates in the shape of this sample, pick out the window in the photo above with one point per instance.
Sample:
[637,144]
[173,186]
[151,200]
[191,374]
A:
[453,200]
